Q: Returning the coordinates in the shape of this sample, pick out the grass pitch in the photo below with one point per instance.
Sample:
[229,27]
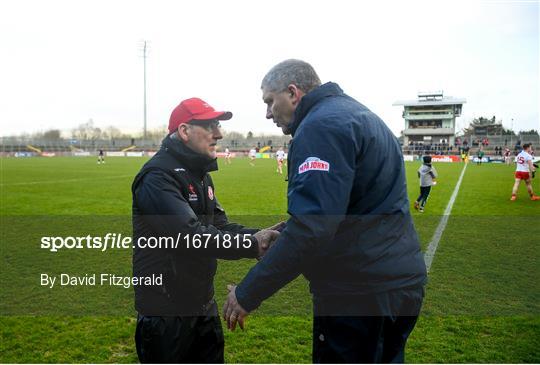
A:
[481,305]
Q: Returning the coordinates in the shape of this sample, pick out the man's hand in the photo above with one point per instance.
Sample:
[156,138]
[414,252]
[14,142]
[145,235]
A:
[278,226]
[266,239]
[232,311]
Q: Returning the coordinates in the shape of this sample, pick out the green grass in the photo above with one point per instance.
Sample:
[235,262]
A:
[481,301]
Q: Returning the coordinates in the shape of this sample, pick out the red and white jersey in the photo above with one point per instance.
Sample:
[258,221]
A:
[252,152]
[280,155]
[522,161]
[227,152]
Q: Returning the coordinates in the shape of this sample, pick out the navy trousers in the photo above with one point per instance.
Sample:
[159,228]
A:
[366,338]
[424,195]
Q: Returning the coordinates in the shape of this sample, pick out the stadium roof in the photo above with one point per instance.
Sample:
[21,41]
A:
[446,100]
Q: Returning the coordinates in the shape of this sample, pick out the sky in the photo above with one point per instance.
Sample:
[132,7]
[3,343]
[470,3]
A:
[63,63]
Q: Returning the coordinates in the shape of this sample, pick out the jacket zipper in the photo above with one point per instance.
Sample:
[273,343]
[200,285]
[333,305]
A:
[203,198]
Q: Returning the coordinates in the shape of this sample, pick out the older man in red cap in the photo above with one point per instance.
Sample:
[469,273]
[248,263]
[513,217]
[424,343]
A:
[173,198]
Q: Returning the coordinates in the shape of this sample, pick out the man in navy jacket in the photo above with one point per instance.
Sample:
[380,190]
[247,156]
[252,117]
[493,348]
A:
[350,232]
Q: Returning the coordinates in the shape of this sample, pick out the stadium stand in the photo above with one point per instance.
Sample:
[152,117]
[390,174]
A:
[491,144]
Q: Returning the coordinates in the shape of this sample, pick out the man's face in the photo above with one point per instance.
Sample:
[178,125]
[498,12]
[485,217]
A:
[280,107]
[201,136]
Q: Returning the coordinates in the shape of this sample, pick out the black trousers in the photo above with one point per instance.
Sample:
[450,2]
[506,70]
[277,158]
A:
[367,338]
[424,195]
[192,340]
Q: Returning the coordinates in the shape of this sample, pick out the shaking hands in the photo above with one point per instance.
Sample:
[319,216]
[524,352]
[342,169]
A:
[267,237]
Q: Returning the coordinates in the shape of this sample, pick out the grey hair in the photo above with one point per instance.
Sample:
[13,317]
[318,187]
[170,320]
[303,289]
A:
[288,72]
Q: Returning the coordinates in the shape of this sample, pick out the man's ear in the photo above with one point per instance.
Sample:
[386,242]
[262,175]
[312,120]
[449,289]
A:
[183,132]
[295,94]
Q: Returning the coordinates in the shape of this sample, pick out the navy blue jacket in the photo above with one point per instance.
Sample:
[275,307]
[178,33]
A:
[350,231]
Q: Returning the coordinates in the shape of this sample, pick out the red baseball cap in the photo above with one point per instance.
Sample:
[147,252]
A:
[194,109]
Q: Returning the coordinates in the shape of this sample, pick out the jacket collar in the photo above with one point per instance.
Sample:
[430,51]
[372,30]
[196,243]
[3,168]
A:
[194,161]
[312,98]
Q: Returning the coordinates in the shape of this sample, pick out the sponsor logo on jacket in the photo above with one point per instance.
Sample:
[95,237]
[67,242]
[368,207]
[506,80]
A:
[192,194]
[313,164]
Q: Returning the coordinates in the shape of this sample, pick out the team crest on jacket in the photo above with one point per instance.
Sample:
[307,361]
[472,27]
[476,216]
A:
[313,164]
[210,193]
[192,194]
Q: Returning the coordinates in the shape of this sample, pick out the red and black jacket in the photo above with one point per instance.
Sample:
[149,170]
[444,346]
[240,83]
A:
[173,196]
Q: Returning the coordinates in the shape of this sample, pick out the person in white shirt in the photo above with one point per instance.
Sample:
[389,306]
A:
[428,177]
[507,158]
[252,155]
[524,168]
[227,156]
[280,156]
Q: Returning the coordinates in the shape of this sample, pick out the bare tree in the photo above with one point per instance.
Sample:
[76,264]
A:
[52,135]
[112,132]
[86,131]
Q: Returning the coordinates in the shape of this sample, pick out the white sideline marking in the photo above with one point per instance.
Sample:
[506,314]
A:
[67,180]
[432,247]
